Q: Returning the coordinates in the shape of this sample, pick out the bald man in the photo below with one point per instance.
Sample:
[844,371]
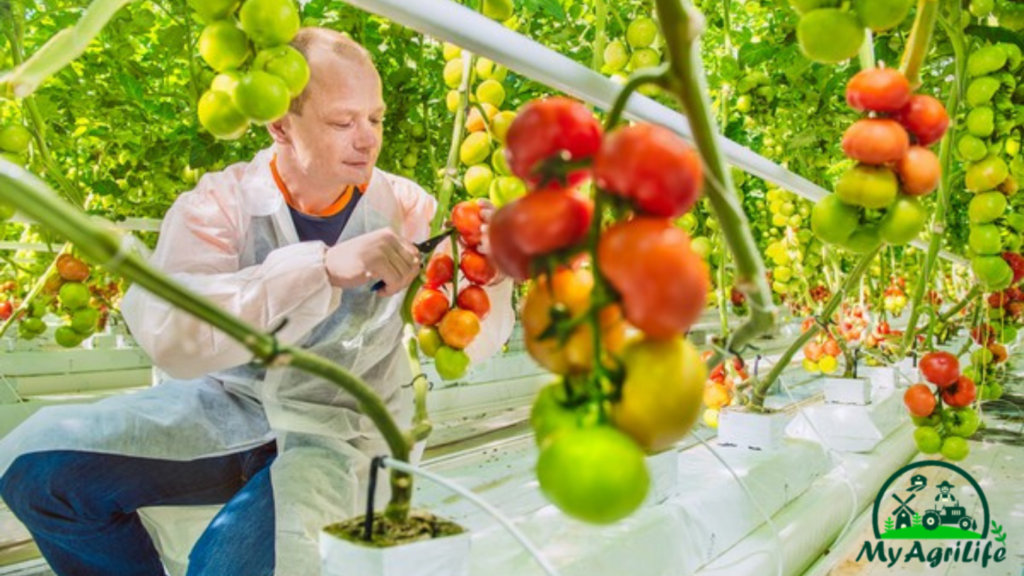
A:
[291,242]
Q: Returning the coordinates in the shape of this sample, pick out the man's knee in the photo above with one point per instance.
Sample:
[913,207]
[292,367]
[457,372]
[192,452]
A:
[45,482]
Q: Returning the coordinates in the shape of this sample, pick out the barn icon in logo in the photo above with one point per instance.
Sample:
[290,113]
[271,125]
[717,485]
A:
[909,507]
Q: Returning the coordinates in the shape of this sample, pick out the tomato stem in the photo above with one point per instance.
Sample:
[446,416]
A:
[760,391]
[681,27]
[600,38]
[941,196]
[451,171]
[38,201]
[920,37]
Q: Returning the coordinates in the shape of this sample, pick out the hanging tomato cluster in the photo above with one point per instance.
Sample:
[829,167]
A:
[631,276]
[876,201]
[448,326]
[821,354]
[720,388]
[66,294]
[944,417]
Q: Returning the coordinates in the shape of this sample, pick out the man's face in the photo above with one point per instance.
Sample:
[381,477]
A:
[945,490]
[338,135]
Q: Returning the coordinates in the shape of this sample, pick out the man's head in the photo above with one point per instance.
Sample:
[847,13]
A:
[334,130]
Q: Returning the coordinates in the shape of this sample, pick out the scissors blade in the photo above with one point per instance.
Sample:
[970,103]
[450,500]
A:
[425,247]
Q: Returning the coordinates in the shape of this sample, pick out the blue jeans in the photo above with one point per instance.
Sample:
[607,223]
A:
[80,508]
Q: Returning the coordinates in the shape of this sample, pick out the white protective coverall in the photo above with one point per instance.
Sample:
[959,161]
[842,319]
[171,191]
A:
[232,240]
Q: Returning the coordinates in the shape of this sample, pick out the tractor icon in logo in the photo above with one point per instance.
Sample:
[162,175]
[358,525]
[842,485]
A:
[949,515]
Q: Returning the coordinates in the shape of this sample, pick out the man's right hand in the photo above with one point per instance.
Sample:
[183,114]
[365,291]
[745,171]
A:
[378,255]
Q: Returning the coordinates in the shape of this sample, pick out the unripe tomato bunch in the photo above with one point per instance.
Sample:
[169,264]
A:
[448,325]
[67,294]
[877,200]
[894,298]
[482,152]
[609,300]
[639,48]
[993,133]
[944,416]
[15,141]
[796,253]
[258,73]
[830,34]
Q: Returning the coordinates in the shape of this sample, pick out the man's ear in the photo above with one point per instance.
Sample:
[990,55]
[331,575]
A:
[280,130]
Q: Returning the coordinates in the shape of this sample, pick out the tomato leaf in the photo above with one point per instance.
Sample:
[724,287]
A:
[552,8]
[996,34]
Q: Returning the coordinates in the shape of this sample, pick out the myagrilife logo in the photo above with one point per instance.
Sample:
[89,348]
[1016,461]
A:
[933,500]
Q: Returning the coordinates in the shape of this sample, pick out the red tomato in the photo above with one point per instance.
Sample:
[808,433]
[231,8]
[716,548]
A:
[662,281]
[999,353]
[439,270]
[505,251]
[961,393]
[429,306]
[920,171]
[940,368]
[813,351]
[466,219]
[832,348]
[651,166]
[550,220]
[1016,262]
[6,309]
[477,267]
[475,299]
[878,90]
[925,118]
[876,141]
[550,127]
[458,328]
[920,400]
[983,334]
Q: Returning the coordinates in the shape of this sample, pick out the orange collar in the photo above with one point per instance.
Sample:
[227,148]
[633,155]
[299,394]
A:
[336,207]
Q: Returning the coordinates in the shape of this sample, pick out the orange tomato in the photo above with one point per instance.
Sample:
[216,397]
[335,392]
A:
[459,327]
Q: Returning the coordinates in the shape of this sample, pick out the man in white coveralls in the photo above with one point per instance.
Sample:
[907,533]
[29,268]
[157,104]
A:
[302,232]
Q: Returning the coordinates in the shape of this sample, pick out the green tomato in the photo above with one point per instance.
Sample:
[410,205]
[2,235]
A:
[689,222]
[805,6]
[981,90]
[986,61]
[987,174]
[550,416]
[982,8]
[971,148]
[955,448]
[451,364]
[927,439]
[881,15]
[702,246]
[84,320]
[15,139]
[477,180]
[986,207]
[616,56]
[866,186]
[903,221]
[286,63]
[67,337]
[981,121]
[985,240]
[864,239]
[1014,55]
[499,10]
[641,32]
[996,391]
[962,422]
[830,35]
[1011,241]
[992,272]
[982,357]
[644,58]
[429,340]
[930,420]
[833,221]
[1008,335]
[506,189]
[1015,220]
[74,295]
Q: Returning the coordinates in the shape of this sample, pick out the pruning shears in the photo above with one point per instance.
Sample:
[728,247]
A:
[425,247]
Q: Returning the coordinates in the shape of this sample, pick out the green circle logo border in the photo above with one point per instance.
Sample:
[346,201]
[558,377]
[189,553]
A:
[922,464]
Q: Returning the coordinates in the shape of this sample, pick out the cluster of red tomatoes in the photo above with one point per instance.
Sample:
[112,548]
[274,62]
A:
[631,276]
[448,326]
[876,201]
[1011,301]
[720,388]
[943,415]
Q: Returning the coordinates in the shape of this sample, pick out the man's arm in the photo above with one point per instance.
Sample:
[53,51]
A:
[199,247]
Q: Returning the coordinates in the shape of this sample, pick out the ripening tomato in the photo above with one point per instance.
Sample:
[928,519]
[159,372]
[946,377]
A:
[961,393]
[940,368]
[919,400]
[466,220]
[925,118]
[550,220]
[831,348]
[662,281]
[876,141]
[458,328]
[439,270]
[813,351]
[653,167]
[429,306]
[72,269]
[569,291]
[477,267]
[999,353]
[878,90]
[6,309]
[919,171]
[475,299]
[505,251]
[547,128]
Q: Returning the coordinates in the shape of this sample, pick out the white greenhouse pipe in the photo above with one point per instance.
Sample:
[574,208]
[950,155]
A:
[475,32]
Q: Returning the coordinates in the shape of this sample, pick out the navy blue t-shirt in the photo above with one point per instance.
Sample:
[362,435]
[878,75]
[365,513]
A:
[327,229]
